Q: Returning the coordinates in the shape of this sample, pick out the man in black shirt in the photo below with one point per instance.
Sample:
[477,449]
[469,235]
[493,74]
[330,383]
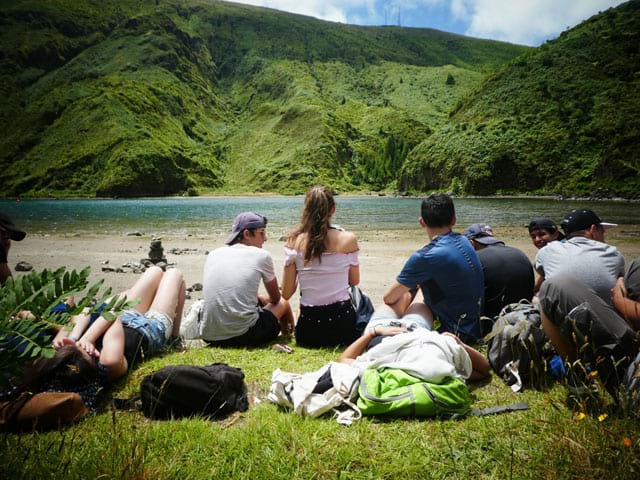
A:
[508,273]
[8,232]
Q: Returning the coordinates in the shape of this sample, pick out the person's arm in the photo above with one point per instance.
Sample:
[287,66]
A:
[479,364]
[112,354]
[394,293]
[360,345]
[289,280]
[5,272]
[627,308]
[349,244]
[80,323]
[98,328]
[539,269]
[538,284]
[273,291]
[354,275]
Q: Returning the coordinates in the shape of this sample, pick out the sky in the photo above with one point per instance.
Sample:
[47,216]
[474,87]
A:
[525,22]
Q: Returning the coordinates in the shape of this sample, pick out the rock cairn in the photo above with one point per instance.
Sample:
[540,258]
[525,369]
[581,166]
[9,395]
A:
[156,255]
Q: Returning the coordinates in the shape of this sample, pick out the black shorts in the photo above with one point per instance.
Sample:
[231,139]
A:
[135,345]
[265,330]
[601,336]
[327,325]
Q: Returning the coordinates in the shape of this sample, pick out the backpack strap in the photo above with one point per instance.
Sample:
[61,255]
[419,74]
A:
[499,409]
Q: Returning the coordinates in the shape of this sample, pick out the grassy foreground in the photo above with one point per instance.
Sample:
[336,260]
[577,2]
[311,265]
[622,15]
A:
[547,441]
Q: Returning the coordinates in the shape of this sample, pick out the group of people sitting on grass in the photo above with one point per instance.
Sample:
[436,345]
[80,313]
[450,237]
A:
[449,286]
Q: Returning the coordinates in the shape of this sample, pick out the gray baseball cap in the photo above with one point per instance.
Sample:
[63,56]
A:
[246,221]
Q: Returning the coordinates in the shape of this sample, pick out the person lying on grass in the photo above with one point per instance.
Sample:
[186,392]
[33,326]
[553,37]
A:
[400,336]
[86,360]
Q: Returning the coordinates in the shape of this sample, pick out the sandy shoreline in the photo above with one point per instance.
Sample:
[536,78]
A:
[382,253]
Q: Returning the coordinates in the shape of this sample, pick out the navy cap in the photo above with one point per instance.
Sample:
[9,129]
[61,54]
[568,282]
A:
[481,233]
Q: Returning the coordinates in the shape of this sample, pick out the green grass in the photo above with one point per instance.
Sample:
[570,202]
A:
[547,441]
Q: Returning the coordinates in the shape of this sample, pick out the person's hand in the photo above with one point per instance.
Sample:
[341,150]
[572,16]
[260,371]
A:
[62,339]
[286,328]
[619,290]
[387,331]
[25,315]
[59,342]
[88,347]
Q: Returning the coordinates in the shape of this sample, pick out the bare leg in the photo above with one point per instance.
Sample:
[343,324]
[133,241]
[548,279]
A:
[145,288]
[419,307]
[400,306]
[182,293]
[169,297]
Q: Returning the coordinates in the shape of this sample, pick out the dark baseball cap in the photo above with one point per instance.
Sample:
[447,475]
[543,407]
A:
[545,224]
[582,219]
[7,225]
[246,221]
[481,233]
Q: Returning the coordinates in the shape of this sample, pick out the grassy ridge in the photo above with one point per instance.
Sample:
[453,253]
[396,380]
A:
[560,119]
[150,98]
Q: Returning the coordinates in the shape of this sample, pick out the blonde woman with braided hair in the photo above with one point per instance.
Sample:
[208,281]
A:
[323,259]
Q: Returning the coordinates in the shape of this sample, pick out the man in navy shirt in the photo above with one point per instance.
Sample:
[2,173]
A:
[447,271]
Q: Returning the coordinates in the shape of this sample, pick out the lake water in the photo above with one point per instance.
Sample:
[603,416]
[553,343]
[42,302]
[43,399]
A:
[213,214]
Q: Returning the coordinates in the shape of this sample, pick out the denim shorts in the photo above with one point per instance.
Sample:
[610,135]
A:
[411,321]
[155,325]
[385,318]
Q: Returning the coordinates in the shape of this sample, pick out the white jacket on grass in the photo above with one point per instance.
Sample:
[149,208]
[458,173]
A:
[427,355]
[295,391]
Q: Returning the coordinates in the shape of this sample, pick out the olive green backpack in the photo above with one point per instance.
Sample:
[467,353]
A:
[391,391]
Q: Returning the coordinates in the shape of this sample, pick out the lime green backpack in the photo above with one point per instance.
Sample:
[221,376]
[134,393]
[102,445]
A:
[391,391]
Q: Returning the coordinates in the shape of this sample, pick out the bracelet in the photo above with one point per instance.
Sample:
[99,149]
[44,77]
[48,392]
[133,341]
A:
[72,338]
[375,333]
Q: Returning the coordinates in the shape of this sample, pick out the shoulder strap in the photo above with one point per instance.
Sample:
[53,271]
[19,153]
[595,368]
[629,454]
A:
[499,409]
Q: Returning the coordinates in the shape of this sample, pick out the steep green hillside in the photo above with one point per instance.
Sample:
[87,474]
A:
[166,96]
[563,119]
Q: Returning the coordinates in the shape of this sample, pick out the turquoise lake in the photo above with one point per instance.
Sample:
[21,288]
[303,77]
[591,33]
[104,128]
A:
[198,215]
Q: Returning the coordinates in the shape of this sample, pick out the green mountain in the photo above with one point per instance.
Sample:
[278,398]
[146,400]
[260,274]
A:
[128,98]
[563,118]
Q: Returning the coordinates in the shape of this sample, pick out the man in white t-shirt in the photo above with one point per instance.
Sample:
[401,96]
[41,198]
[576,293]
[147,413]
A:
[234,314]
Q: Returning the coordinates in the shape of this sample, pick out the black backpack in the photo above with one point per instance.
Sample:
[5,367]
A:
[177,391]
[515,345]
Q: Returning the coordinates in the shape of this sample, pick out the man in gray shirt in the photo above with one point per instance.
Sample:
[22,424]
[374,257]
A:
[575,298]
[584,254]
